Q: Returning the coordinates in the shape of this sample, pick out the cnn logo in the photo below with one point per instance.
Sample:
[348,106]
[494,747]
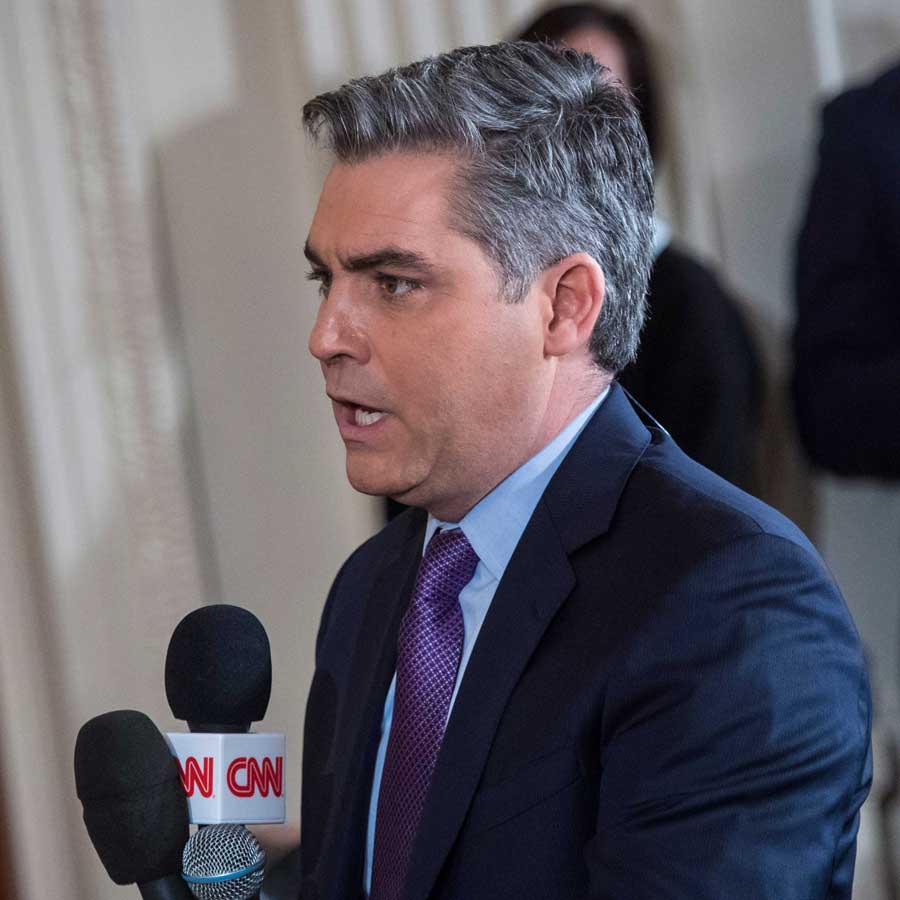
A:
[231,777]
[246,776]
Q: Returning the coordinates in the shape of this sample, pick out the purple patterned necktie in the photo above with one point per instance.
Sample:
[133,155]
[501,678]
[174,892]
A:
[428,652]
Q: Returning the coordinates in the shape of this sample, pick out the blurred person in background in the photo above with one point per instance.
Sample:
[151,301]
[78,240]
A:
[846,387]
[698,371]
[847,337]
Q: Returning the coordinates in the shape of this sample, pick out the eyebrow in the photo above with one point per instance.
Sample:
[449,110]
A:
[384,256]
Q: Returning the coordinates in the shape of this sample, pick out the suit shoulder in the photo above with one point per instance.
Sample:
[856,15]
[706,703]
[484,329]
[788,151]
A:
[364,564]
[681,495]
[700,556]
[382,546]
[867,104]
[686,294]
[888,83]
[678,263]
[685,288]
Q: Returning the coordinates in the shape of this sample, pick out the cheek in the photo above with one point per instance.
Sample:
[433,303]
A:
[494,387]
[475,374]
[428,368]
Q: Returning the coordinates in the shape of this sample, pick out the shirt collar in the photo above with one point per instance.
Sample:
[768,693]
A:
[495,524]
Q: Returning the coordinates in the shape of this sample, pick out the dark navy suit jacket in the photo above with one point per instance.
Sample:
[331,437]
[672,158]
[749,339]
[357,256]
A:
[667,699]
[847,338]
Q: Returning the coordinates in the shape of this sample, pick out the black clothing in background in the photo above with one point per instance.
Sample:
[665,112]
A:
[847,339]
[697,369]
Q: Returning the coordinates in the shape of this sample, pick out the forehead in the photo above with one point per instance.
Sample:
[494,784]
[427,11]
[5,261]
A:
[397,198]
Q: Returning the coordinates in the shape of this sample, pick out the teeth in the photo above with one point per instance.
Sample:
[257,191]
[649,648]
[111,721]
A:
[367,418]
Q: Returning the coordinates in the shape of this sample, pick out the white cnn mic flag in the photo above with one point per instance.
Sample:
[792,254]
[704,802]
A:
[231,777]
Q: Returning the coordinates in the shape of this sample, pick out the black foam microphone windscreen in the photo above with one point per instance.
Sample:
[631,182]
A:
[135,807]
[219,668]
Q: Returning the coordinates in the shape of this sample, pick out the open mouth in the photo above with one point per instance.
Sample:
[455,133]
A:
[351,415]
[363,416]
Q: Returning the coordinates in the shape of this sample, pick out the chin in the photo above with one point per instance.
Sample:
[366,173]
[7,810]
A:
[381,485]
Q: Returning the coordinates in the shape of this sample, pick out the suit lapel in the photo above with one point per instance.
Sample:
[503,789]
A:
[576,507]
[374,661]
[584,493]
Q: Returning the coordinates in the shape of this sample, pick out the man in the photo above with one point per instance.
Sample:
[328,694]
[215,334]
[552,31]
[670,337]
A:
[582,665]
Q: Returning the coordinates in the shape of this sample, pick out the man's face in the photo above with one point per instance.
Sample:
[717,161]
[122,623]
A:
[439,386]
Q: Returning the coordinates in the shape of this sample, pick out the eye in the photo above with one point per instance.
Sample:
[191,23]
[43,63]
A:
[394,286]
[323,277]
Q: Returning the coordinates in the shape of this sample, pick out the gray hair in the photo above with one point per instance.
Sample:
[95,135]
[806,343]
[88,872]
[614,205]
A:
[553,161]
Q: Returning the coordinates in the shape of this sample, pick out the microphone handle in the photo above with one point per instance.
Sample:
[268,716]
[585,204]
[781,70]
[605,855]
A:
[172,887]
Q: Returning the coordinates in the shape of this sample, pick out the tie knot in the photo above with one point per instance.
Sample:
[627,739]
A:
[449,562]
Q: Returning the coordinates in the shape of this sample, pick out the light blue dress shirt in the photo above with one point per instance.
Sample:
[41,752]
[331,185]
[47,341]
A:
[493,528]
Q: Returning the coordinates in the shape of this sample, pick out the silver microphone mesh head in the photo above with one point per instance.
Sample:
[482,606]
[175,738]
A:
[223,862]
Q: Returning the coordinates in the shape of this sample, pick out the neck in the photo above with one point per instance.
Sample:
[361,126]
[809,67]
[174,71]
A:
[569,397]
[560,410]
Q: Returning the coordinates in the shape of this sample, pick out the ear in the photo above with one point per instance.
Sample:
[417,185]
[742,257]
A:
[575,288]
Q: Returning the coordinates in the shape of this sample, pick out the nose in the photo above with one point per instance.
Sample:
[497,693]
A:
[337,333]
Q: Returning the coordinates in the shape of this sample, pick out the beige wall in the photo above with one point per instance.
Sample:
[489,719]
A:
[164,440]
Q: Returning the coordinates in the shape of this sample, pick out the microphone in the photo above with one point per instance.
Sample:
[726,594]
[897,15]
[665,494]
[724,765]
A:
[219,670]
[134,806]
[223,862]
[219,679]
